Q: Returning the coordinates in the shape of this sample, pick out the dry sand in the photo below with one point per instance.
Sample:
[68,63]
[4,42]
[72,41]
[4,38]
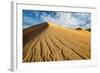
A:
[50,42]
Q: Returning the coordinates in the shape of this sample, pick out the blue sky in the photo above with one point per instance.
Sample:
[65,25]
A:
[66,19]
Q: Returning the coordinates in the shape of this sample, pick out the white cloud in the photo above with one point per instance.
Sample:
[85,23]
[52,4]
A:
[71,20]
[67,20]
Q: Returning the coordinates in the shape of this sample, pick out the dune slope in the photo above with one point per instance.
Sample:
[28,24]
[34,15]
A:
[50,42]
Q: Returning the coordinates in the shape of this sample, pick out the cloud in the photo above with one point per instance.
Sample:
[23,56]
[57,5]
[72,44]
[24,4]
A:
[71,20]
[66,19]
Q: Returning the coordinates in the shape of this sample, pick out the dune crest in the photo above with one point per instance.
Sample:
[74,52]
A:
[50,42]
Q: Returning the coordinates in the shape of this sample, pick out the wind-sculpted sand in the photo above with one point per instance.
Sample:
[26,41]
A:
[51,42]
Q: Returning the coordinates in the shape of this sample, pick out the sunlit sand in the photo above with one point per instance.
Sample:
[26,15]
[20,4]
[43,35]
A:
[50,42]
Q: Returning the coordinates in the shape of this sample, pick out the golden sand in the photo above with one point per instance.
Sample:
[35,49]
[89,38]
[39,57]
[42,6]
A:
[51,42]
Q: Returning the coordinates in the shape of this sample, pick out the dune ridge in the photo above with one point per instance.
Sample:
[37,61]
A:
[50,42]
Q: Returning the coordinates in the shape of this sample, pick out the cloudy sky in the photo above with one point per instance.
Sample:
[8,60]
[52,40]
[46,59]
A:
[66,19]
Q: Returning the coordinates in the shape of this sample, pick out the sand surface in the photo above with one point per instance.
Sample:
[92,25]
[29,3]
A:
[51,42]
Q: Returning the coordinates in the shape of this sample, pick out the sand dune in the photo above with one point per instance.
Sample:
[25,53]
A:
[50,42]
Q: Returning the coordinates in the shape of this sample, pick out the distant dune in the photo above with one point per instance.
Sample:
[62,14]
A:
[50,42]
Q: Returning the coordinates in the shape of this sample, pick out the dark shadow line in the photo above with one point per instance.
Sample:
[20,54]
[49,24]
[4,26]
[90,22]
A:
[30,33]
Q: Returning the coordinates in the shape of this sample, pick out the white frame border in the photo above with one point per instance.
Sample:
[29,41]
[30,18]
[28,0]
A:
[16,65]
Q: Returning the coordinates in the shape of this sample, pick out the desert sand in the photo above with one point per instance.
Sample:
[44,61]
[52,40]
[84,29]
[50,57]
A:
[50,42]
